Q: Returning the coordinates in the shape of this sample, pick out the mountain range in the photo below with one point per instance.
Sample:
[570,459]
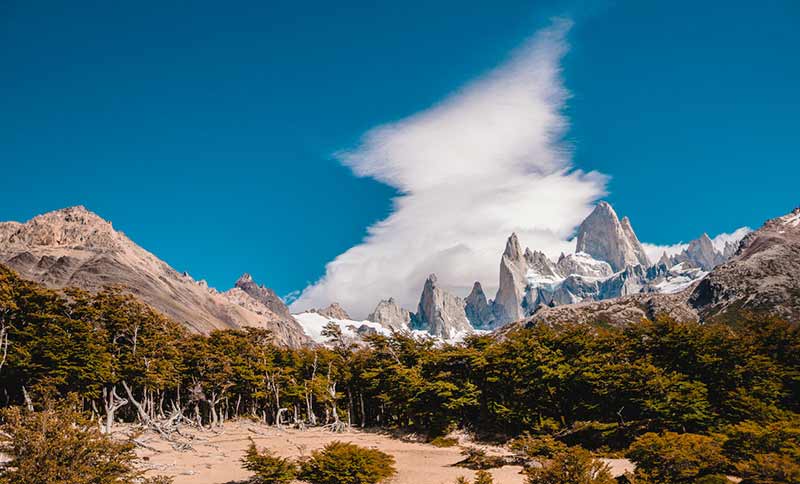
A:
[609,279]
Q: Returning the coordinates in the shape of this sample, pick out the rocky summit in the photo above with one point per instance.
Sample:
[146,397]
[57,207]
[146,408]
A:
[391,316]
[603,236]
[74,247]
[440,313]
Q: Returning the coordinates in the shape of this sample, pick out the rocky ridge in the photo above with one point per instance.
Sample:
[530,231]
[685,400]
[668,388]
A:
[74,247]
[761,278]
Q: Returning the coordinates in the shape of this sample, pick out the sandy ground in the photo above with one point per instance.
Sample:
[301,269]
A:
[215,458]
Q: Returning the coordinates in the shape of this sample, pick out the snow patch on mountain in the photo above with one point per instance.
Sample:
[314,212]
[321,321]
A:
[314,323]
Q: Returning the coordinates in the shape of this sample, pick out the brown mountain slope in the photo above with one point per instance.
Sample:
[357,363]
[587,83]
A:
[763,276]
[75,247]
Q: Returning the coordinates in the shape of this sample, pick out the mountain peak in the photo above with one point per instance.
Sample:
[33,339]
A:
[603,236]
[513,249]
[244,279]
[333,311]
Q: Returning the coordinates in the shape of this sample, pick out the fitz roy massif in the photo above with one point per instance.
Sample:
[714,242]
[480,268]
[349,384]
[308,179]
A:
[609,279]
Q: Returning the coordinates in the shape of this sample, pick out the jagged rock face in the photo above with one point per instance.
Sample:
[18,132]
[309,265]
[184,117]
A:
[333,311]
[390,315]
[74,247]
[263,294]
[763,276]
[730,250]
[582,264]
[511,290]
[605,238]
[440,313]
[702,254]
[477,309]
[540,266]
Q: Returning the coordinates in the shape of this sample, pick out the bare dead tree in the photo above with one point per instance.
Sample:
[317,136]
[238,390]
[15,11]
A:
[112,403]
[337,425]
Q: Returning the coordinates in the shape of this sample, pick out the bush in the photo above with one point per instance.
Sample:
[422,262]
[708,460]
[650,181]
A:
[61,445]
[537,446]
[676,458]
[444,442]
[770,469]
[478,459]
[572,466]
[346,463]
[483,477]
[267,467]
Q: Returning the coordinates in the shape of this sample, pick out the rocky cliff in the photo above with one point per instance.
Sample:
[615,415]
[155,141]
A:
[390,315]
[440,313]
[605,238]
[513,280]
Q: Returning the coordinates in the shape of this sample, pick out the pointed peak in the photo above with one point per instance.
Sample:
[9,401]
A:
[477,289]
[432,279]
[244,279]
[513,249]
[604,207]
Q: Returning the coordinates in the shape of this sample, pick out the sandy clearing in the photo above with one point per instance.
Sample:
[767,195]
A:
[216,455]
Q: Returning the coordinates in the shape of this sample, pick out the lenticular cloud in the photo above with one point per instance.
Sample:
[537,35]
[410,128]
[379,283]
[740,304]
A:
[487,161]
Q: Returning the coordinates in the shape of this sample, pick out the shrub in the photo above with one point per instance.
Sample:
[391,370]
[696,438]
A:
[444,442]
[346,463]
[746,439]
[483,477]
[765,452]
[529,445]
[770,468]
[61,445]
[267,467]
[572,466]
[676,458]
[478,459]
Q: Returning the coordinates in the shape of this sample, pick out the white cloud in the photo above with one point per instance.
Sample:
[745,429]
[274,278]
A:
[654,251]
[485,162]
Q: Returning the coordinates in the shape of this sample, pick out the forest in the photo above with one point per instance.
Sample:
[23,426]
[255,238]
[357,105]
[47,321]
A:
[600,388]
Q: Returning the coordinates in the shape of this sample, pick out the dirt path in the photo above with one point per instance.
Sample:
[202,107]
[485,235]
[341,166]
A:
[216,457]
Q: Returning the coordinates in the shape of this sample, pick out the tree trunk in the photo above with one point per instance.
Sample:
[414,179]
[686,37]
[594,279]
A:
[112,403]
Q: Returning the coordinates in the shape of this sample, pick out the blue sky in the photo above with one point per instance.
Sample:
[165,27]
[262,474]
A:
[212,133]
